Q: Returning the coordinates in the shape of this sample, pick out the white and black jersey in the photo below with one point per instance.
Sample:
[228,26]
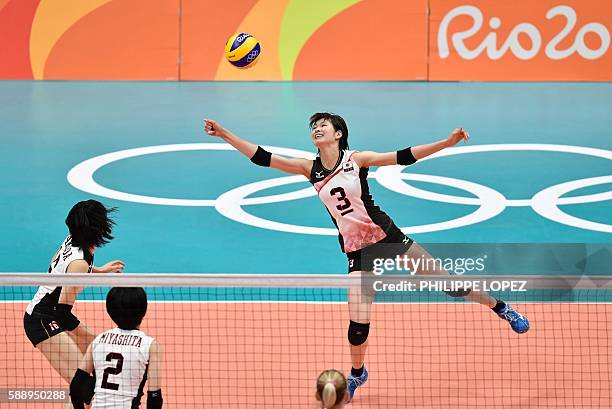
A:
[46,298]
[345,193]
[365,231]
[121,360]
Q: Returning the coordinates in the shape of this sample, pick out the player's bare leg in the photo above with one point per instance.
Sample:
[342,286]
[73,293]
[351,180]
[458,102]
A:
[83,336]
[360,309]
[64,356]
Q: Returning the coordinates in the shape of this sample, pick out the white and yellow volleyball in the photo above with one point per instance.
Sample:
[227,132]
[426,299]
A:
[242,50]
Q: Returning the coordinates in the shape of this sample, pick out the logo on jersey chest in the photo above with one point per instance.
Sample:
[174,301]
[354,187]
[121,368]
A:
[348,167]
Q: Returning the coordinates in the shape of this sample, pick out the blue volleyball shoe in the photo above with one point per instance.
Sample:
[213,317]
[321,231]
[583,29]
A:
[518,322]
[356,381]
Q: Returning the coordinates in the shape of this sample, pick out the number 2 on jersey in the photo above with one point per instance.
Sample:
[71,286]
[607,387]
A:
[116,370]
[345,204]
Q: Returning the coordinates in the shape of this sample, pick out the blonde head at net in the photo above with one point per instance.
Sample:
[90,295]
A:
[331,388]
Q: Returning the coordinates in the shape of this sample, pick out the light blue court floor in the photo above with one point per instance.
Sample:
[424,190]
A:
[538,168]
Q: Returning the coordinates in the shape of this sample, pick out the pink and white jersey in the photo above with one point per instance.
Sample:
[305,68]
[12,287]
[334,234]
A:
[345,193]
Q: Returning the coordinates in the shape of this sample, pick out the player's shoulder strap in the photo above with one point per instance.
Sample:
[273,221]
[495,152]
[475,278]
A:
[316,171]
[349,154]
[147,340]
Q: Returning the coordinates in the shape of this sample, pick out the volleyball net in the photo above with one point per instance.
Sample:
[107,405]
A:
[260,341]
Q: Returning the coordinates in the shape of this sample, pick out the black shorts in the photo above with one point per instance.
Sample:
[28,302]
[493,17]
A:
[39,326]
[395,244]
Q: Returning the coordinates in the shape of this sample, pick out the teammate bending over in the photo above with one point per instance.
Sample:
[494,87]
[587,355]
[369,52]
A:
[122,359]
[340,177]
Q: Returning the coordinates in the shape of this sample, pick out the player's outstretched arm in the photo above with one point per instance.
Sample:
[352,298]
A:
[257,154]
[111,267]
[154,394]
[458,134]
[409,155]
[83,384]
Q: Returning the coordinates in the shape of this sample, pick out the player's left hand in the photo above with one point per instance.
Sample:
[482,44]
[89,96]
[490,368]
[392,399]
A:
[112,267]
[457,135]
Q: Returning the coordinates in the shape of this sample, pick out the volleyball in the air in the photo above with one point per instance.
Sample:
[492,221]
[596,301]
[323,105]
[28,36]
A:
[242,50]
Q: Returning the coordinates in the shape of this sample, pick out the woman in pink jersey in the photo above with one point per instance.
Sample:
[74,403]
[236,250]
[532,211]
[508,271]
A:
[365,231]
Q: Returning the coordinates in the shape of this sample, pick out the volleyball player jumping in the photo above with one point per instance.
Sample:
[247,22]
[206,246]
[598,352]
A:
[365,231]
[49,322]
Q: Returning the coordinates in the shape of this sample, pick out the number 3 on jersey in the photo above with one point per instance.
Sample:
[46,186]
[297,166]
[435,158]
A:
[345,204]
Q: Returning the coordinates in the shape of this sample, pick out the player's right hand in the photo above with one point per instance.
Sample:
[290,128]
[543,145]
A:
[458,134]
[213,128]
[115,266]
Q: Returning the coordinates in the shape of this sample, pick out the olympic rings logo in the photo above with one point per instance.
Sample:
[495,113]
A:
[490,202]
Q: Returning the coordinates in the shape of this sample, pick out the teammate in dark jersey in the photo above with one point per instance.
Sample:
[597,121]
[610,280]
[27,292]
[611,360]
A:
[48,321]
[366,233]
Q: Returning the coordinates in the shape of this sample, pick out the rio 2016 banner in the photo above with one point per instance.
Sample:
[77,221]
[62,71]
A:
[520,40]
[416,40]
